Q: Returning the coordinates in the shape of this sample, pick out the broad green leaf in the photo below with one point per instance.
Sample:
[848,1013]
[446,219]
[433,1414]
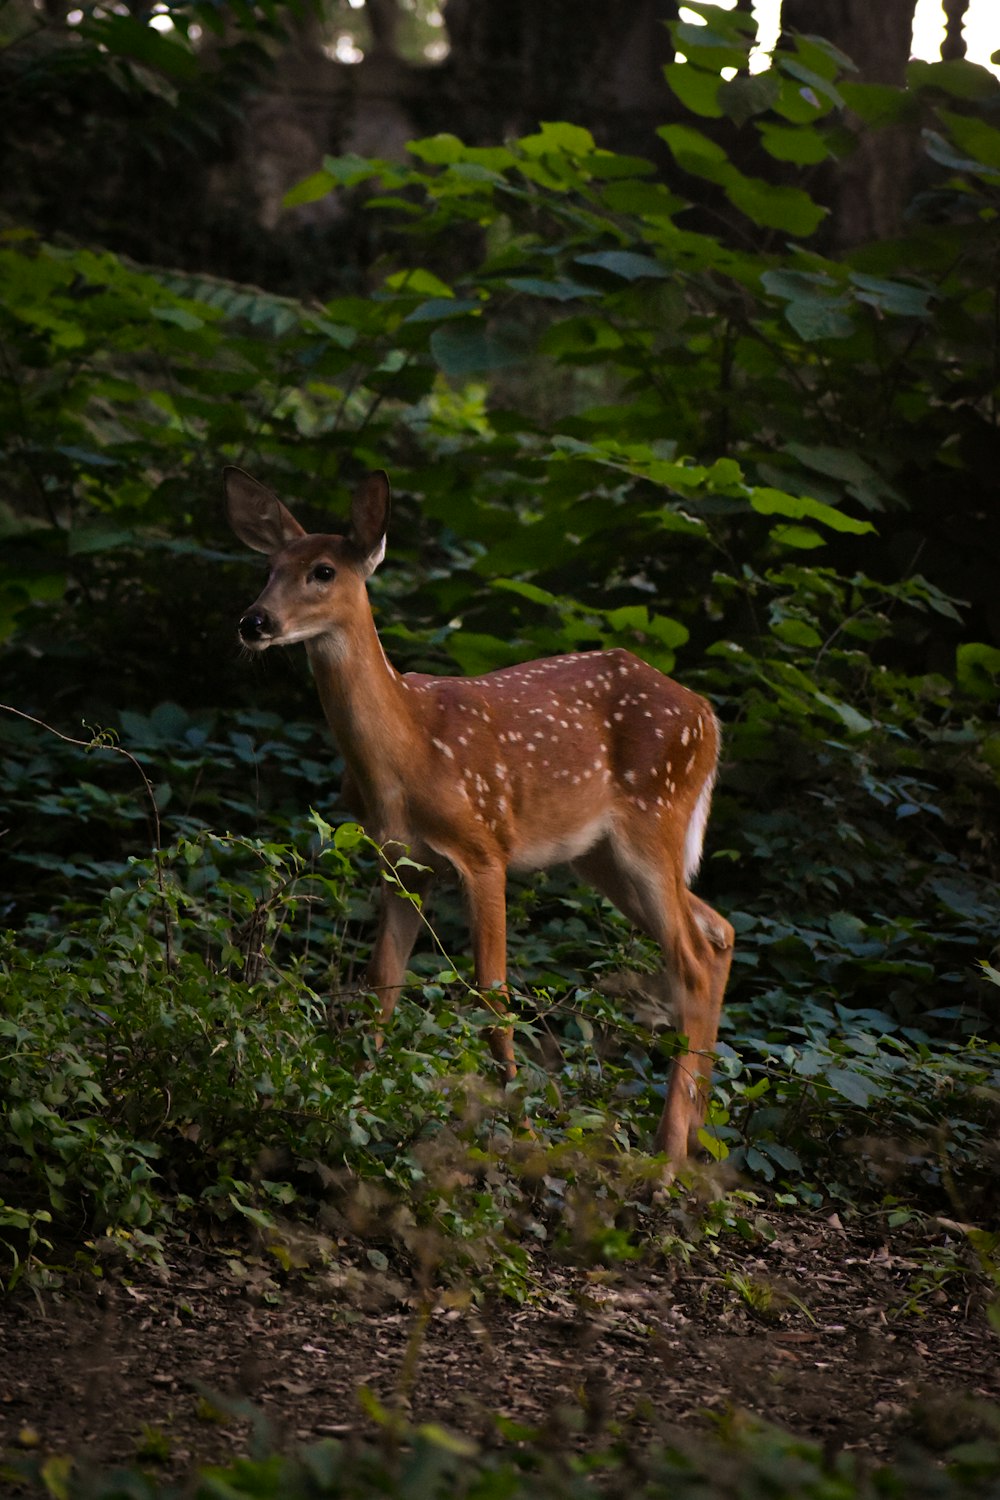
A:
[526,590]
[697,89]
[838,463]
[437,308]
[181,317]
[812,80]
[645,199]
[628,264]
[848,929]
[731,22]
[559,136]
[942,151]
[803,145]
[797,632]
[783,1155]
[803,537]
[795,285]
[129,37]
[560,289]
[749,94]
[878,103]
[668,519]
[974,135]
[349,169]
[960,78]
[815,318]
[771,502]
[470,347]
[310,189]
[853,721]
[978,668]
[418,280]
[899,297]
[857,1088]
[438,150]
[709,48]
[688,144]
[787,208]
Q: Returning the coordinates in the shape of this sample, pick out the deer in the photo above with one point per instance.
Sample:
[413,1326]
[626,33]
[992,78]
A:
[593,758]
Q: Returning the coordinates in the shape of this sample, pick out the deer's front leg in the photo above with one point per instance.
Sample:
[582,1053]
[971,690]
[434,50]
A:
[487,896]
[400,920]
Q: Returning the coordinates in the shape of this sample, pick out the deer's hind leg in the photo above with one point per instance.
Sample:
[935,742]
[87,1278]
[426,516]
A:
[697,947]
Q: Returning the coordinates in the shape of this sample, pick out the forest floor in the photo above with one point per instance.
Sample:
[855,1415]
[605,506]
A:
[161,1363]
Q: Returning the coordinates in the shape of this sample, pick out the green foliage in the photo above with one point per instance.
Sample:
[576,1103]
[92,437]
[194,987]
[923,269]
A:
[422,1462]
[173,1054]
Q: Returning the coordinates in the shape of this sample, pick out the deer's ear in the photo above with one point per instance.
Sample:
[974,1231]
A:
[370,518]
[256,514]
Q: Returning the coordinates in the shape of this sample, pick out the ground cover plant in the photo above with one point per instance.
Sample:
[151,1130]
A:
[762,466]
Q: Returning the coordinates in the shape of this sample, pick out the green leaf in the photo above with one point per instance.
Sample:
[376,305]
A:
[773,207]
[310,190]
[853,721]
[787,208]
[803,537]
[942,151]
[857,1088]
[558,136]
[771,502]
[472,348]
[978,668]
[974,135]
[709,46]
[899,297]
[560,289]
[348,170]
[797,632]
[627,264]
[690,146]
[436,308]
[526,590]
[438,150]
[960,78]
[697,89]
[749,94]
[813,81]
[127,37]
[419,281]
[181,317]
[877,103]
[802,145]
[813,314]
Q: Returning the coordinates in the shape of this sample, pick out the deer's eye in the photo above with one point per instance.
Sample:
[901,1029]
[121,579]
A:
[322,573]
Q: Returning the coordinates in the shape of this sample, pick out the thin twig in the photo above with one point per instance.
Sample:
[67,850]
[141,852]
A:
[102,741]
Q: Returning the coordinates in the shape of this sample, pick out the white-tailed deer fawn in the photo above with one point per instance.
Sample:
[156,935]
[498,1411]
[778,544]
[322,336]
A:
[595,758]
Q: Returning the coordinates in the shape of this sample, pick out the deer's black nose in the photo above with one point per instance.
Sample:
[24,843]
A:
[255,626]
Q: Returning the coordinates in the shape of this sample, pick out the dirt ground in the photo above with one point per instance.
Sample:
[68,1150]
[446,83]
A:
[158,1365]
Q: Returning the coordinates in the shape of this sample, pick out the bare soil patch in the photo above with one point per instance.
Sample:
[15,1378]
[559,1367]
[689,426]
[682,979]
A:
[171,1364]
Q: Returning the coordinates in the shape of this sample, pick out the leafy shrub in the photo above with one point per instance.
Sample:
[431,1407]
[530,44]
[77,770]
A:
[741,1457]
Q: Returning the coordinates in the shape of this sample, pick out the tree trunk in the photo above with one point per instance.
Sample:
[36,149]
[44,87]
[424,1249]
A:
[870,189]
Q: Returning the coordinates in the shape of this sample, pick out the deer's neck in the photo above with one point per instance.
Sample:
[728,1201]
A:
[369,712]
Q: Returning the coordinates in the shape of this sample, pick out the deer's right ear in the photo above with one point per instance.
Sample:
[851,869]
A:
[256,514]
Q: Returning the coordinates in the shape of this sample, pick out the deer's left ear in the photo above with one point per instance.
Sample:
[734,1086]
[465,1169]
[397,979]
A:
[370,518]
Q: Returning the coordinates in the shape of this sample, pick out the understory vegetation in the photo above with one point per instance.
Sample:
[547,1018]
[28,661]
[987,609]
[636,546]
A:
[610,420]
